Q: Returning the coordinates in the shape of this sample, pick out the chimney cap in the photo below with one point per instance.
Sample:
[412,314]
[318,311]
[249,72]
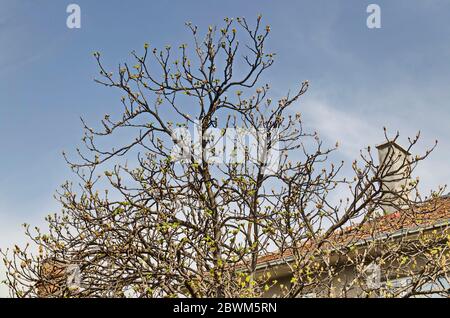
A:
[394,144]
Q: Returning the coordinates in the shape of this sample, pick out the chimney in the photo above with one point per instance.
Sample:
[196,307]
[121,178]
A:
[395,173]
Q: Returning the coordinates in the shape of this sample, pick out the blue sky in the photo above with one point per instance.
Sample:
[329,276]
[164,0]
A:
[360,79]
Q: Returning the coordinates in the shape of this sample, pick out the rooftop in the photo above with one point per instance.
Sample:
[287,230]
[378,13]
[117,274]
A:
[433,213]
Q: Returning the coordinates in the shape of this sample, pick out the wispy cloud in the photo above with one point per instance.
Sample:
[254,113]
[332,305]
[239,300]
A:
[352,132]
[355,130]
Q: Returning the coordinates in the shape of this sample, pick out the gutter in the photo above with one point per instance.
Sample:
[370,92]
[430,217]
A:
[362,242]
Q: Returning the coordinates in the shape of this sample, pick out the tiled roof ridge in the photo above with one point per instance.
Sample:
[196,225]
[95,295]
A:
[385,224]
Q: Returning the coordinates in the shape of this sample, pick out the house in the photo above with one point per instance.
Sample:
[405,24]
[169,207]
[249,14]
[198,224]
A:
[402,253]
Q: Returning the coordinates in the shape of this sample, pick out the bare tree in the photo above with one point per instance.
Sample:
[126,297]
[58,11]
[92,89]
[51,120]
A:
[174,221]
